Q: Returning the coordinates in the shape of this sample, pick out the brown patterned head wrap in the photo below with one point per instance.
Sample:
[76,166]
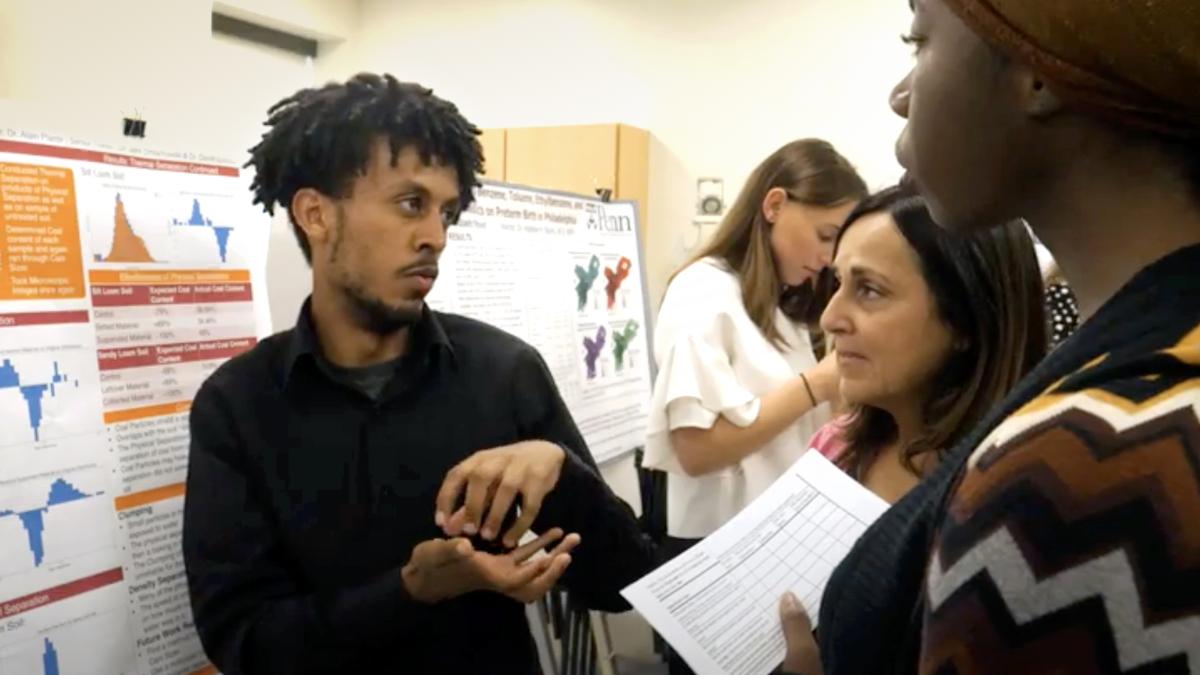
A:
[1135,62]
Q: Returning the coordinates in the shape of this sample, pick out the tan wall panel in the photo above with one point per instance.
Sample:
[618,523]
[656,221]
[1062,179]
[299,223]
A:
[633,172]
[494,152]
[575,159]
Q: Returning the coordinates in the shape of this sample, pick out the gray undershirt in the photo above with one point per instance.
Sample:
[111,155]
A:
[370,380]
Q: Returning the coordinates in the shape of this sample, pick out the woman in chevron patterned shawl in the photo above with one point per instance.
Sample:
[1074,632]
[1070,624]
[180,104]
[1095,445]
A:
[1063,534]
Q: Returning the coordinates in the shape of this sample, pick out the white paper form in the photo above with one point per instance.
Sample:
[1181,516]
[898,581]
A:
[718,603]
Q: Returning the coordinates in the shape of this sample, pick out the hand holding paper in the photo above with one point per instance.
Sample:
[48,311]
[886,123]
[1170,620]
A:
[718,603]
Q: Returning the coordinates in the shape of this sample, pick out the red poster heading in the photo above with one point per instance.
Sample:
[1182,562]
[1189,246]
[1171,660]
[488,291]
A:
[70,589]
[116,159]
[42,318]
[179,352]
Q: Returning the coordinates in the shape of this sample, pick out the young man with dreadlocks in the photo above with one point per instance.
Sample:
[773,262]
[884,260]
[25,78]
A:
[310,534]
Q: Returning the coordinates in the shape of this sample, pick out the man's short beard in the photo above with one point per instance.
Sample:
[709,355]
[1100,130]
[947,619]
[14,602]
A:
[370,313]
[378,317]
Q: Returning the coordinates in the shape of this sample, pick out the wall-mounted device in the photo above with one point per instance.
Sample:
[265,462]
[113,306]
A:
[710,199]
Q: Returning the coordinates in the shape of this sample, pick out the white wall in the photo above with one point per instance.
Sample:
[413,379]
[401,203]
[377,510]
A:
[720,84]
[92,62]
[80,66]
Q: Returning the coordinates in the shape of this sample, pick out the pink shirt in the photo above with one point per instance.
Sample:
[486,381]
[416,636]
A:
[829,439]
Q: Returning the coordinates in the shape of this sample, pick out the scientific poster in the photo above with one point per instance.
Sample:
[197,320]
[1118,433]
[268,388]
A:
[563,273]
[125,279]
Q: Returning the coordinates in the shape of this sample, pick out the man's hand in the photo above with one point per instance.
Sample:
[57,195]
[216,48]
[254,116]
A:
[491,480]
[803,657]
[440,569]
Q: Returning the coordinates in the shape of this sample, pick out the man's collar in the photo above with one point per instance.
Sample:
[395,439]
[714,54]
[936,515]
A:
[427,336]
[302,341]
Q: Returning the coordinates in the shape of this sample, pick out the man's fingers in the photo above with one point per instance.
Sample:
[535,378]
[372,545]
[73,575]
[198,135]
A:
[526,551]
[503,575]
[519,527]
[546,580]
[502,501]
[567,545]
[523,575]
[438,552]
[481,483]
[454,525]
[452,487]
[532,494]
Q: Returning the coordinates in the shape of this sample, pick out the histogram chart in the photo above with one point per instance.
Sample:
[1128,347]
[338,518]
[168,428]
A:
[30,662]
[125,229]
[133,228]
[47,395]
[126,245]
[220,232]
[49,658]
[78,646]
[48,521]
[33,392]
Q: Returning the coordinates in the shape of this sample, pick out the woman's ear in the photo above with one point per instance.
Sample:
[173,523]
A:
[772,203]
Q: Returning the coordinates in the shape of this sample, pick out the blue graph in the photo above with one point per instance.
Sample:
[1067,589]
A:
[197,219]
[49,658]
[33,393]
[61,492]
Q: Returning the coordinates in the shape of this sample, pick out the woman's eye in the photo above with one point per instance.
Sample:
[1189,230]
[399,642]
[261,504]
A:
[868,292]
[449,216]
[913,40]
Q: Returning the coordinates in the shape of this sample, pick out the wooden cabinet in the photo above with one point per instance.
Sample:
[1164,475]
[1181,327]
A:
[580,159]
[493,142]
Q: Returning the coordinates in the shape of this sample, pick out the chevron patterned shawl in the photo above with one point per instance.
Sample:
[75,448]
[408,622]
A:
[1072,542]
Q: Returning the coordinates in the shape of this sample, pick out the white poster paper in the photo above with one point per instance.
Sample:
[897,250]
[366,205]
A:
[125,278]
[563,273]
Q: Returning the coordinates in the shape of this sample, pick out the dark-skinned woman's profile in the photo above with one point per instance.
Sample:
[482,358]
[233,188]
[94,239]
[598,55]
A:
[1063,533]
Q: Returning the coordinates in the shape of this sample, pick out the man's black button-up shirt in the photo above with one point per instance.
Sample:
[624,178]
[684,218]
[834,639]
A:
[305,497]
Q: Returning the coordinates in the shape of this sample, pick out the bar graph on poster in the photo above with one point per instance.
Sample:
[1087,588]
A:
[47,369]
[47,521]
[37,385]
[126,278]
[154,229]
[67,629]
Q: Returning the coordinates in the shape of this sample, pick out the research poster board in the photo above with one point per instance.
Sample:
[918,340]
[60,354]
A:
[126,277]
[564,273]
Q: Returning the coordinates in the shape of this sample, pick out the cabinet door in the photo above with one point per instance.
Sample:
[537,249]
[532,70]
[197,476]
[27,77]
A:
[493,142]
[577,159]
[633,172]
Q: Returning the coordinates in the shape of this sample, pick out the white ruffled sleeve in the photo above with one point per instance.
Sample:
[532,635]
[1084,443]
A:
[696,382]
[700,386]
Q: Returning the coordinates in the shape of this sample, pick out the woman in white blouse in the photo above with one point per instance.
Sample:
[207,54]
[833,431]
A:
[739,391]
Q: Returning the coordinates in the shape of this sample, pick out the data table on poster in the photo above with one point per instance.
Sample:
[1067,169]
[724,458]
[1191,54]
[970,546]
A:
[158,341]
